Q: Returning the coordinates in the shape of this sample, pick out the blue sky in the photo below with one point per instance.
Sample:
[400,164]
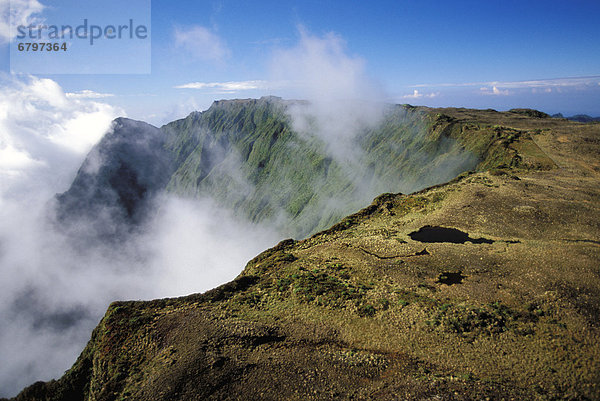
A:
[498,54]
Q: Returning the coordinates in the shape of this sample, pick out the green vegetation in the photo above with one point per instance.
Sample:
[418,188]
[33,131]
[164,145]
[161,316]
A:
[489,319]
[245,155]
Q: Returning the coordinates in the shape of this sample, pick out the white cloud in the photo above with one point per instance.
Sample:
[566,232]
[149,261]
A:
[320,68]
[416,95]
[179,265]
[44,134]
[342,98]
[201,43]
[544,84]
[497,91]
[552,83]
[17,12]
[13,160]
[494,91]
[52,293]
[231,86]
[87,94]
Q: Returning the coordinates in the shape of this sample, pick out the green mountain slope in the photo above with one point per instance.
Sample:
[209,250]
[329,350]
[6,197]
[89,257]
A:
[486,287]
[244,155]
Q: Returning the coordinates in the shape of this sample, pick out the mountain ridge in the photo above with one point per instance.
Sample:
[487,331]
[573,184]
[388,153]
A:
[245,155]
[498,300]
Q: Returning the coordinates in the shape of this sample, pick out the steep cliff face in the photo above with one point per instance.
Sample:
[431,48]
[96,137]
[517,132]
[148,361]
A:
[114,188]
[244,155]
[486,287]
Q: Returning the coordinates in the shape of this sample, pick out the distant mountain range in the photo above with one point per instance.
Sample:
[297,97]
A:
[582,118]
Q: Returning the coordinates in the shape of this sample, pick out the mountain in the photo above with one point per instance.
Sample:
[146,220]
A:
[582,118]
[117,181]
[245,155]
[530,113]
[485,287]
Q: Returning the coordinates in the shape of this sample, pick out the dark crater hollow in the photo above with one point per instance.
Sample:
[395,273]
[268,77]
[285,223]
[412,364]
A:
[445,234]
[450,278]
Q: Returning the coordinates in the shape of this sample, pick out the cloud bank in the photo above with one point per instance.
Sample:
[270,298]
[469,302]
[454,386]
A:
[52,292]
[44,134]
[201,43]
[17,12]
[43,137]
[226,87]
[342,99]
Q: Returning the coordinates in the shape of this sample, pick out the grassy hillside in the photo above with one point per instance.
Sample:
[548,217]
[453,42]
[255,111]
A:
[244,154]
[486,287]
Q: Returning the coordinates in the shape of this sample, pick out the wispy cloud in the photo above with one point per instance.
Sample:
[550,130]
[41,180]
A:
[567,82]
[416,95]
[202,43]
[17,12]
[553,83]
[343,99]
[495,91]
[321,68]
[229,87]
[271,42]
[87,94]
